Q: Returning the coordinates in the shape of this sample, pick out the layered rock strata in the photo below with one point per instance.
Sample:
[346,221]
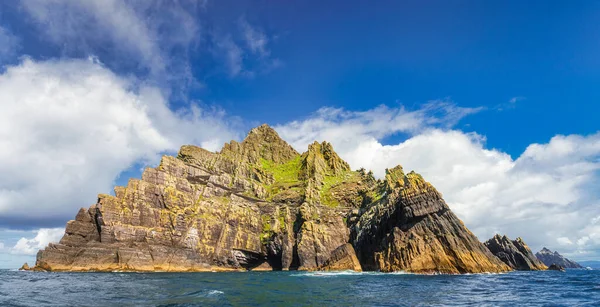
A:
[260,205]
[515,253]
[410,228]
[342,258]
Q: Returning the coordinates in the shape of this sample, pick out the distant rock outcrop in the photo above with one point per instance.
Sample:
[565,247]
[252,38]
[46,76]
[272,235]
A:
[555,267]
[260,205]
[515,254]
[549,258]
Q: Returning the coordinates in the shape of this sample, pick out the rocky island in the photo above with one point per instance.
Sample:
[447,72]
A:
[515,253]
[260,205]
[549,258]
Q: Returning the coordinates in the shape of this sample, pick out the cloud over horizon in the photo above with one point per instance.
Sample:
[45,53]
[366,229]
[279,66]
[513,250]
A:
[68,128]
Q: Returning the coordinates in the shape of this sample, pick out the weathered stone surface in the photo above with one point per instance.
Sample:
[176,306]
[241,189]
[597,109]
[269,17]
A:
[412,229]
[549,258]
[515,254]
[203,211]
[261,143]
[341,259]
[25,267]
[260,205]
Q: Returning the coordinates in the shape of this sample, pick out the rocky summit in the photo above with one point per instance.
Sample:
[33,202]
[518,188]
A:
[549,258]
[515,253]
[260,205]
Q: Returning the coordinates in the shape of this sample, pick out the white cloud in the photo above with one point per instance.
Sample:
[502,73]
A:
[69,128]
[156,35]
[351,128]
[31,246]
[232,55]
[1,245]
[564,241]
[247,54]
[511,104]
[8,44]
[256,40]
[545,194]
[516,99]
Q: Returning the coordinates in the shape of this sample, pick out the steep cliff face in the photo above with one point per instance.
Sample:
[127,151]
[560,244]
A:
[242,208]
[515,254]
[410,228]
[549,258]
[260,205]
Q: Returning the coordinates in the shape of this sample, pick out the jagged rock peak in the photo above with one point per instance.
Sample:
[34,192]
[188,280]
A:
[321,159]
[319,162]
[549,258]
[262,142]
[515,253]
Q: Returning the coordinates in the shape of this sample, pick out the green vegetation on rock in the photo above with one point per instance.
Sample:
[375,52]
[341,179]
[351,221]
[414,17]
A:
[287,172]
[267,230]
[329,181]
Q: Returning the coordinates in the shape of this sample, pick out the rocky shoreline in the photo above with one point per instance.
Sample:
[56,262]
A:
[260,205]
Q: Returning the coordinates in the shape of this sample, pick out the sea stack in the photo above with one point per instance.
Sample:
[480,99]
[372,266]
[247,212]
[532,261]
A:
[515,254]
[549,258]
[260,205]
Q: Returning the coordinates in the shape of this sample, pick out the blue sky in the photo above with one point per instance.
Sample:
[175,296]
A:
[494,102]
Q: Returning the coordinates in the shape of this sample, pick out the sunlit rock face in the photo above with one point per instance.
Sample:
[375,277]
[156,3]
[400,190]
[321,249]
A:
[260,205]
[410,228]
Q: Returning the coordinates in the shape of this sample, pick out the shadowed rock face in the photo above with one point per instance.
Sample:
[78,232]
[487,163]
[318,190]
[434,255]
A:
[260,205]
[412,229]
[515,254]
[549,258]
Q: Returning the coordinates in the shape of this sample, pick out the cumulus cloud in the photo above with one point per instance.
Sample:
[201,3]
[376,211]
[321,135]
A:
[155,35]
[546,195]
[31,246]
[1,245]
[69,128]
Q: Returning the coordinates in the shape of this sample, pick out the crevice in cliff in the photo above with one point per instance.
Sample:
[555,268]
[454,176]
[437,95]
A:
[297,226]
[99,221]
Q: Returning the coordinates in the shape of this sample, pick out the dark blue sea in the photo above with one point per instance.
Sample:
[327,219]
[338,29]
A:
[549,288]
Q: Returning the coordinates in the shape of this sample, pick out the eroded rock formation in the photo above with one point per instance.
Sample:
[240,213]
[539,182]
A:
[260,205]
[515,253]
[342,258]
[549,258]
[410,228]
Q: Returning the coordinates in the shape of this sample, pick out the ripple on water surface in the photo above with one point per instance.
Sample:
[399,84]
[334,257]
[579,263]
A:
[575,287]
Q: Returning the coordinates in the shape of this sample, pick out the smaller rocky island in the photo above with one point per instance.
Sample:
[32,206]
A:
[549,258]
[515,253]
[554,267]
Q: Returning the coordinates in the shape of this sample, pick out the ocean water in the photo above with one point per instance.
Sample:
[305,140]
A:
[549,288]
